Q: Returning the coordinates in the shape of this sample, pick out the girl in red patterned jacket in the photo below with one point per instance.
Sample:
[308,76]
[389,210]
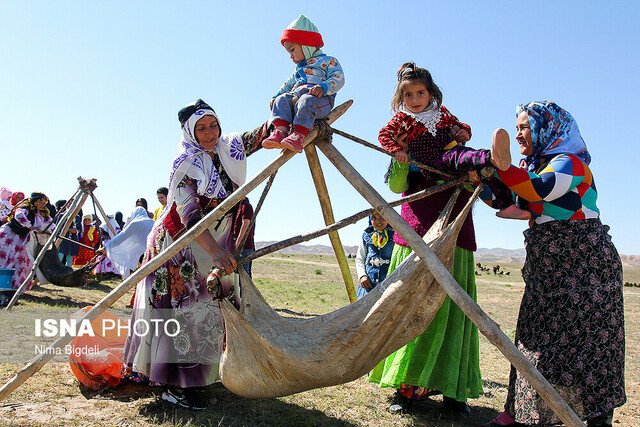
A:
[425,131]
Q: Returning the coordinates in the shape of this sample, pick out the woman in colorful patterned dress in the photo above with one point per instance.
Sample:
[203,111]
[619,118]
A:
[207,166]
[571,320]
[28,215]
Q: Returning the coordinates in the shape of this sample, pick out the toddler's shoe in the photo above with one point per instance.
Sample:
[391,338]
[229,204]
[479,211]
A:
[274,140]
[294,141]
[500,152]
[513,212]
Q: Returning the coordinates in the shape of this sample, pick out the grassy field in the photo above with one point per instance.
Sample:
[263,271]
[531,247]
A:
[294,285]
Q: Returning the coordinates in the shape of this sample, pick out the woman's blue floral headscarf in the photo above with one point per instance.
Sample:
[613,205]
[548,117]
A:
[553,131]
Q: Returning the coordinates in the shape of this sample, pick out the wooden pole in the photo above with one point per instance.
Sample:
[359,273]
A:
[104,215]
[327,213]
[38,362]
[36,262]
[484,323]
[263,196]
[382,150]
[347,221]
[82,245]
[66,206]
[76,209]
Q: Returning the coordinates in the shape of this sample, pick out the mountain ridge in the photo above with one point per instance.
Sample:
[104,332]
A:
[482,254]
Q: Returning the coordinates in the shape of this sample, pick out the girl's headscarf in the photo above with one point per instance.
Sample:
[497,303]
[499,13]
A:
[14,197]
[119,219]
[5,194]
[195,162]
[30,204]
[553,131]
[379,238]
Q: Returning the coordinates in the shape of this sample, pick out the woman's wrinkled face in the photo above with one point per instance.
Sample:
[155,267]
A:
[524,134]
[415,96]
[207,132]
[378,222]
[295,51]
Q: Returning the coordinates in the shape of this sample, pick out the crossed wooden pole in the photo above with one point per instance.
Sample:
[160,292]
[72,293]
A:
[322,141]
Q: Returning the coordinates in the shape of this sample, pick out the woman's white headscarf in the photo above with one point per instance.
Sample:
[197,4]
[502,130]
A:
[195,162]
[126,247]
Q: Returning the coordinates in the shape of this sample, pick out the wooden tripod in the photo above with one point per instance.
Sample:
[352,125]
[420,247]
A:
[85,189]
[321,140]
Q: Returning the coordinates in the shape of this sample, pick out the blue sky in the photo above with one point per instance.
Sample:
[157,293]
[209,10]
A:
[93,89]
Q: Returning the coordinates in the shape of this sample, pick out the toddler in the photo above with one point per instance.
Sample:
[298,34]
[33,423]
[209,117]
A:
[309,93]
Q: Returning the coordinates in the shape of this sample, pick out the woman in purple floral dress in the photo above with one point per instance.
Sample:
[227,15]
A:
[183,352]
[571,321]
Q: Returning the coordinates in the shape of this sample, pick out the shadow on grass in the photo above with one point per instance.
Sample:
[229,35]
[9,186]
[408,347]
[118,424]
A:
[125,392]
[429,412]
[493,384]
[93,285]
[228,409]
[63,301]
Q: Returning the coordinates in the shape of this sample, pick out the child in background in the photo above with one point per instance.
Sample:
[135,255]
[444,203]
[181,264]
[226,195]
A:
[5,203]
[372,260]
[90,236]
[309,93]
[422,129]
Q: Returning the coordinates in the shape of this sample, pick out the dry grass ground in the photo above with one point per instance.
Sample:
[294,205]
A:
[294,285]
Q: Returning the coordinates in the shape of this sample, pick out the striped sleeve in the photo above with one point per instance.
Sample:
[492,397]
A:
[563,174]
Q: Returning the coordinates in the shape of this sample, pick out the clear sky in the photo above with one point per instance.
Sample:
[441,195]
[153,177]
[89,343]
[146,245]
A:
[93,89]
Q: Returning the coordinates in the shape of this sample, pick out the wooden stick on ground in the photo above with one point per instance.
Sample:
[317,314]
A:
[327,213]
[484,323]
[347,221]
[38,362]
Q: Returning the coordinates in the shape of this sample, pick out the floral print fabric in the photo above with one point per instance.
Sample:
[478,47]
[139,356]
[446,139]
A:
[176,294]
[571,321]
[13,248]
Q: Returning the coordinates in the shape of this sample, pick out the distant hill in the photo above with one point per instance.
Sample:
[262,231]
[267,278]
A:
[481,255]
[309,249]
[630,260]
[500,255]
[494,253]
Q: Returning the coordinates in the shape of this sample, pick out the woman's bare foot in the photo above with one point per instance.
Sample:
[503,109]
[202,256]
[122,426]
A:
[500,151]
[513,212]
